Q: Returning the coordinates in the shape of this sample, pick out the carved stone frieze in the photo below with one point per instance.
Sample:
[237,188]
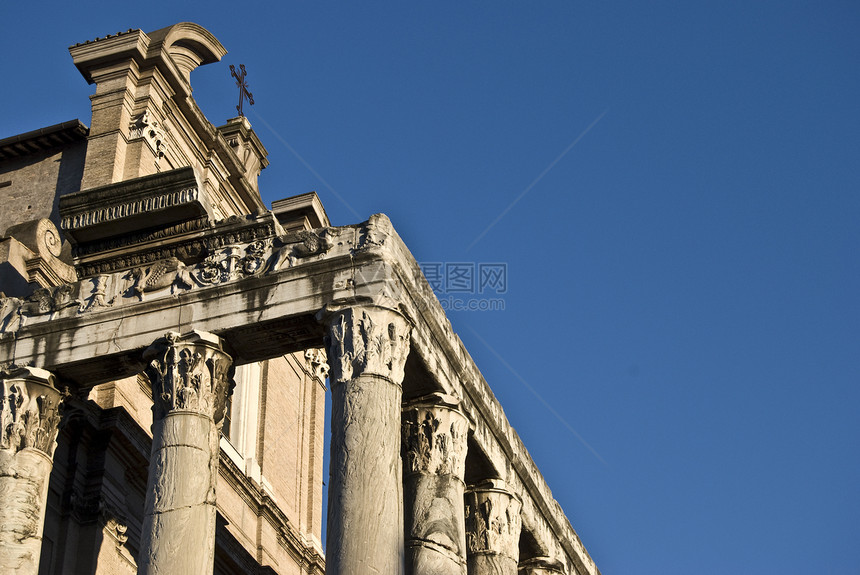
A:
[49,300]
[163,274]
[240,229]
[30,411]
[236,251]
[98,297]
[234,262]
[312,243]
[305,244]
[493,520]
[317,363]
[189,372]
[375,232]
[367,340]
[185,251]
[10,314]
[434,437]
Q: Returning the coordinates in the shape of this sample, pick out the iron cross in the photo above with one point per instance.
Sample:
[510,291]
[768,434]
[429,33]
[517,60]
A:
[243,87]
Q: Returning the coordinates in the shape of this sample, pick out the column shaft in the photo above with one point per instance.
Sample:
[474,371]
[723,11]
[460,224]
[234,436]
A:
[28,430]
[434,456]
[367,349]
[493,526]
[191,380]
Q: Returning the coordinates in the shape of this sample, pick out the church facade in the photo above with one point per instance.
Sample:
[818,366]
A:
[167,341]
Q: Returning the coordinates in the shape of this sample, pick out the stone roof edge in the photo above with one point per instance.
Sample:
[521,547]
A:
[46,138]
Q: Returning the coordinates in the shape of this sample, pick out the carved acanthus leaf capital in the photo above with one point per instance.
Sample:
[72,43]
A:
[367,340]
[30,412]
[541,566]
[189,372]
[317,363]
[434,436]
[493,521]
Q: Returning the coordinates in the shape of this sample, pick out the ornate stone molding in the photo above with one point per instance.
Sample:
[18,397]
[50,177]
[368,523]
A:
[189,372]
[131,208]
[434,436]
[29,415]
[493,520]
[236,251]
[186,227]
[317,363]
[367,340]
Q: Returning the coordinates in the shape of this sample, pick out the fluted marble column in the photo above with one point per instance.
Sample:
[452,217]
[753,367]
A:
[367,349]
[191,378]
[434,459]
[492,529]
[28,431]
[541,566]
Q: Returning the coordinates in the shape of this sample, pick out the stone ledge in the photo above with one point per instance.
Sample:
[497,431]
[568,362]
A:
[132,206]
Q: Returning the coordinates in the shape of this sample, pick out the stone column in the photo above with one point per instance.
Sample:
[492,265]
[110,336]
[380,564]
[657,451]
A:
[191,378]
[492,529]
[434,457]
[28,431]
[367,349]
[542,566]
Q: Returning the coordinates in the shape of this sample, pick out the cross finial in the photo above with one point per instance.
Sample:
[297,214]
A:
[243,87]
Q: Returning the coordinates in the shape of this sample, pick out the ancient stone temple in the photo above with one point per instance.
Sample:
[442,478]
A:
[166,343]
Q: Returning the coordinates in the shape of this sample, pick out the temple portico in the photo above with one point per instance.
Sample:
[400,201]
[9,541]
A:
[178,286]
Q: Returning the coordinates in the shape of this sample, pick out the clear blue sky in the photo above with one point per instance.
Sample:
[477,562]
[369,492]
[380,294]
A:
[682,283]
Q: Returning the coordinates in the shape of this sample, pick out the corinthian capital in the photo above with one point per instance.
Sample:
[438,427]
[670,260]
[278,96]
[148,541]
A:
[29,414]
[189,372]
[541,566]
[493,520]
[367,340]
[434,436]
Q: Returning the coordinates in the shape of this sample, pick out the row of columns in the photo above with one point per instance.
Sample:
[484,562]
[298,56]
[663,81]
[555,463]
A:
[448,528]
[392,463]
[191,378]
